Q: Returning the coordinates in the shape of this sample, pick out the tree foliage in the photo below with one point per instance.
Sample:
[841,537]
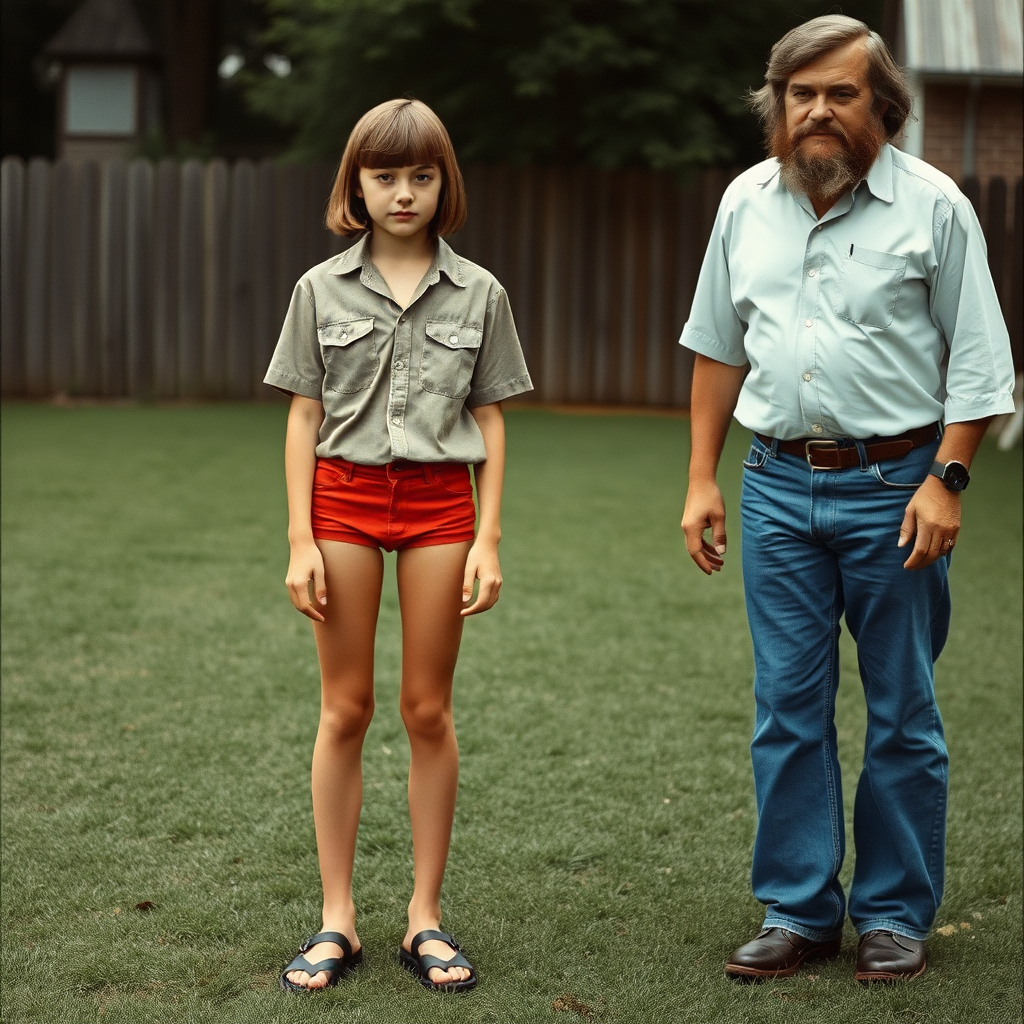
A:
[657,83]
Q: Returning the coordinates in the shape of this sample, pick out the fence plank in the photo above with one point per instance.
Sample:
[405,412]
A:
[37,267]
[191,279]
[264,299]
[216,280]
[291,185]
[61,318]
[113,276]
[552,256]
[86,359]
[656,342]
[12,278]
[579,312]
[602,206]
[240,281]
[1015,311]
[165,279]
[139,279]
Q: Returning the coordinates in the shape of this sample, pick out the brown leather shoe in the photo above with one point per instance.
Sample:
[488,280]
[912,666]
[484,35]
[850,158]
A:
[777,953]
[886,956]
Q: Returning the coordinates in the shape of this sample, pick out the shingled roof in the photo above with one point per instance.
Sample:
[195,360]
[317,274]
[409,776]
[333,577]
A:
[963,37]
[107,28]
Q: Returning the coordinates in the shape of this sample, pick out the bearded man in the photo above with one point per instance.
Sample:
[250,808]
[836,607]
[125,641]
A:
[851,280]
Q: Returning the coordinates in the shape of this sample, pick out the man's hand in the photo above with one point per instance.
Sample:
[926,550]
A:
[932,522]
[705,510]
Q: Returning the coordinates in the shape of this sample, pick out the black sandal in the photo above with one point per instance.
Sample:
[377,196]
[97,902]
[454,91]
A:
[335,967]
[421,965]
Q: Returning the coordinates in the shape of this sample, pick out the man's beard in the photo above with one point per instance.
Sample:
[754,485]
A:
[823,177]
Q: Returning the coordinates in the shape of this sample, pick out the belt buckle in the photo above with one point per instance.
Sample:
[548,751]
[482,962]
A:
[824,445]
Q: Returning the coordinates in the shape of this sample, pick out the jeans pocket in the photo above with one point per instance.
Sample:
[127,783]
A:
[899,474]
[758,456]
[452,477]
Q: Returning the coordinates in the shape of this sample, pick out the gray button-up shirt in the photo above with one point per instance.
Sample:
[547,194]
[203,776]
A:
[876,319]
[394,383]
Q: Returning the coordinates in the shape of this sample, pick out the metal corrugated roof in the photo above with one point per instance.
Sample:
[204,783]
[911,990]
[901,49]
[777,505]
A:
[964,37]
[102,27]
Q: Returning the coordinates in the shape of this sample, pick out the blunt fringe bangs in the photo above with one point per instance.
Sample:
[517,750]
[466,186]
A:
[398,133]
[813,39]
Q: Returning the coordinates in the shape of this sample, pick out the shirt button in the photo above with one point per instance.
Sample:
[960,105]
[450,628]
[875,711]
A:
[808,323]
[453,339]
[807,376]
[812,273]
[398,419]
[820,226]
[402,319]
[399,365]
[816,428]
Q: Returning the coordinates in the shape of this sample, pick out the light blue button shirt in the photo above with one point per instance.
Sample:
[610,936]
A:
[878,318]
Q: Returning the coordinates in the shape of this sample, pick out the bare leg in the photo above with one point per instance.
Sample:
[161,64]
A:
[344,643]
[430,593]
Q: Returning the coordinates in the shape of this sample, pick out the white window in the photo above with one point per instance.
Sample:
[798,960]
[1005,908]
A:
[101,101]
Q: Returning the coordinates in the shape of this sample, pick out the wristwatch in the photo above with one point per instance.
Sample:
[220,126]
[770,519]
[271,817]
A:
[953,474]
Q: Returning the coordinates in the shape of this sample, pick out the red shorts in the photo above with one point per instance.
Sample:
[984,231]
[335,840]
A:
[400,505]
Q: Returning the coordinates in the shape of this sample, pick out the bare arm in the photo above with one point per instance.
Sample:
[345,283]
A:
[932,519]
[716,387]
[482,562]
[305,562]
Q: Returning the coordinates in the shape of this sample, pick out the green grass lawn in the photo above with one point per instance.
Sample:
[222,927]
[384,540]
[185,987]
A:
[160,701]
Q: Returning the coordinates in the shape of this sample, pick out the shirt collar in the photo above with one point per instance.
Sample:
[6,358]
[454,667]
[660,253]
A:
[357,256]
[878,179]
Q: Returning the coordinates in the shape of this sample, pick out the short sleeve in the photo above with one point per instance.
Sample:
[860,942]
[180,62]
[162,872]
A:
[296,367]
[500,370]
[713,328]
[965,308]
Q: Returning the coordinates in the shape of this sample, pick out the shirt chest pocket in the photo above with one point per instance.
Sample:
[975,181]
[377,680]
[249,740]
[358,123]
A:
[449,356]
[869,284]
[350,357]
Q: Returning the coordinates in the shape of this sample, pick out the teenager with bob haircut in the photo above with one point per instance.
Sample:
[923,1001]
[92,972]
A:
[397,355]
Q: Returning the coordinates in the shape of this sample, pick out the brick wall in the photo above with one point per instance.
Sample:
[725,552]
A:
[999,138]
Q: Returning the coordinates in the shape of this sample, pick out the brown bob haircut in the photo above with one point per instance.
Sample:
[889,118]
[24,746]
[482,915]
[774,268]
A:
[813,39]
[398,133]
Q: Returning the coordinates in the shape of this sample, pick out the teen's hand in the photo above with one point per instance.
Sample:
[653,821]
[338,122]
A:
[705,510]
[306,563]
[482,565]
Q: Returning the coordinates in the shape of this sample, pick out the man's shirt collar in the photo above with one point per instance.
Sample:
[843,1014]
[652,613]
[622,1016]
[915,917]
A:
[879,178]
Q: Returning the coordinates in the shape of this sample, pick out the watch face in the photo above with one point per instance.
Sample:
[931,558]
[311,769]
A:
[955,476]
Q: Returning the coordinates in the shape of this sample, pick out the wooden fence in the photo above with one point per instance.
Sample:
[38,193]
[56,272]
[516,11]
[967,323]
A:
[171,280]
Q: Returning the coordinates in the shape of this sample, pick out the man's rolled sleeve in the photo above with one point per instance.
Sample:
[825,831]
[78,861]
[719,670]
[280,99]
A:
[297,366]
[713,328]
[965,307]
[500,370]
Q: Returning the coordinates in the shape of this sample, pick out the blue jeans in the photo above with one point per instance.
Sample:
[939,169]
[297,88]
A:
[818,544]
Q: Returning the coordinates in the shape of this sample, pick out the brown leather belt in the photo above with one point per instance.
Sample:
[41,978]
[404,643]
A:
[842,453]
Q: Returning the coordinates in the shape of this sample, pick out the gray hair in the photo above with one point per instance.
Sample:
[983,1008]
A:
[813,39]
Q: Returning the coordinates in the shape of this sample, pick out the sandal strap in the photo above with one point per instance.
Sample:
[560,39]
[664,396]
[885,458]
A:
[427,962]
[300,963]
[336,937]
[429,934]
